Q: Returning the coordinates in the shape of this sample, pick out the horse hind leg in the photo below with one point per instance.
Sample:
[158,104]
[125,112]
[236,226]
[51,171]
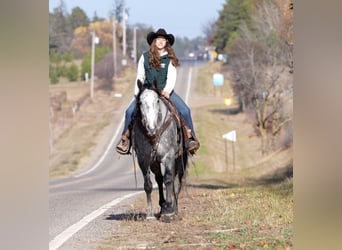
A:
[176,190]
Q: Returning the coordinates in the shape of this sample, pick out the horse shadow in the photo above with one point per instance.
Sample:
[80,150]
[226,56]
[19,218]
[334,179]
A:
[128,216]
[139,216]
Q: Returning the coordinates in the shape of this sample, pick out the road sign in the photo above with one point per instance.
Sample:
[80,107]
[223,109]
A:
[230,136]
[218,79]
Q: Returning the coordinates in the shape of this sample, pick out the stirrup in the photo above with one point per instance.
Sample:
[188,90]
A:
[193,146]
[122,148]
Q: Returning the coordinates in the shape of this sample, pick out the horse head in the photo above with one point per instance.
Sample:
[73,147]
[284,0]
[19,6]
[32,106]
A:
[149,105]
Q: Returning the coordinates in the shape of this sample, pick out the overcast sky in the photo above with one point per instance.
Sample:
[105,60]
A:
[179,17]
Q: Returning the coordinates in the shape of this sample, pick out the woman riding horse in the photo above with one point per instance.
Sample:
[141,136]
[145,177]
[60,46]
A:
[159,64]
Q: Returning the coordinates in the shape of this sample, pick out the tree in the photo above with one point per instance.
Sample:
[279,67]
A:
[259,61]
[209,30]
[78,18]
[81,42]
[100,52]
[60,30]
[234,12]
[118,9]
[96,18]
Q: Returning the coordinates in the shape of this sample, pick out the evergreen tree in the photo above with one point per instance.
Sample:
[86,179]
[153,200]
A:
[233,14]
[60,31]
[78,18]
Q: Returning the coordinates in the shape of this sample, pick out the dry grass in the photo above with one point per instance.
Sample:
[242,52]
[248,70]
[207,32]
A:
[219,217]
[79,136]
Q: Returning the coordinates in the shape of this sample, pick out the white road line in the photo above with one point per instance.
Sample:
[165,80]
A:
[70,231]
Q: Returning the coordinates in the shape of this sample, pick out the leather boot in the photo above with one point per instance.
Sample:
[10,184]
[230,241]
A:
[124,144]
[193,143]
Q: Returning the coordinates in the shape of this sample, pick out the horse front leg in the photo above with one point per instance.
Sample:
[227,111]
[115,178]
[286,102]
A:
[168,208]
[160,182]
[148,190]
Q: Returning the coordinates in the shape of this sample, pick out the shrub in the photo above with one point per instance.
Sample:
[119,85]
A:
[53,75]
[72,73]
[86,63]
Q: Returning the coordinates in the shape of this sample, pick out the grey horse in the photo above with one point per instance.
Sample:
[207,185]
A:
[158,142]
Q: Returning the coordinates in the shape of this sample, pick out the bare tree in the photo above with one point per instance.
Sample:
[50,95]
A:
[259,61]
[209,30]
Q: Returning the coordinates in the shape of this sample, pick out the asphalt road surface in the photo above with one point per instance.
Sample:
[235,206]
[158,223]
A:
[80,207]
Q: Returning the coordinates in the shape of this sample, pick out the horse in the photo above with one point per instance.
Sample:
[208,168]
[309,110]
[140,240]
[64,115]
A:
[158,143]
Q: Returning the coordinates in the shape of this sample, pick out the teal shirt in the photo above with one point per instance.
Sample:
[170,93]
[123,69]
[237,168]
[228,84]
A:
[153,73]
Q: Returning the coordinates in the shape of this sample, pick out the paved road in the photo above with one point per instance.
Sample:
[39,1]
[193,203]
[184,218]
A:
[81,208]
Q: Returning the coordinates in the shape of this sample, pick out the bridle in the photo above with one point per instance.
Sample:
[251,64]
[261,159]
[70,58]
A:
[162,124]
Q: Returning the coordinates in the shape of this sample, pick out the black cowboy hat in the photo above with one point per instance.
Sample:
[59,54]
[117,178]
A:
[160,32]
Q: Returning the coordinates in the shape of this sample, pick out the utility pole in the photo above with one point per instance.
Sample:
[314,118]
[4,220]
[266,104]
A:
[114,46]
[92,64]
[135,44]
[94,40]
[124,17]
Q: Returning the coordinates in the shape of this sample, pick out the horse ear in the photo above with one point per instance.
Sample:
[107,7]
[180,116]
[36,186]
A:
[139,84]
[155,85]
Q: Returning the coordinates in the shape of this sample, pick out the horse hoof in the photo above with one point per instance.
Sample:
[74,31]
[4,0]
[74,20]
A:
[150,217]
[167,209]
[167,217]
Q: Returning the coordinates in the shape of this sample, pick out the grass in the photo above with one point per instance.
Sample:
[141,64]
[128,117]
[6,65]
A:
[244,217]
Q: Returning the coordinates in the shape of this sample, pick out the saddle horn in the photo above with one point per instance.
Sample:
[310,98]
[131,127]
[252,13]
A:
[155,84]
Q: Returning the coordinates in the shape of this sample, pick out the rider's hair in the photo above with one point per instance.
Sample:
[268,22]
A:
[154,57]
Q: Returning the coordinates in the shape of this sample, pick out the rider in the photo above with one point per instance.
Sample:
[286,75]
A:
[159,63]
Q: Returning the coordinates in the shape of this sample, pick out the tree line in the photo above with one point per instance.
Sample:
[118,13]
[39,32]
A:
[257,36]
[70,40]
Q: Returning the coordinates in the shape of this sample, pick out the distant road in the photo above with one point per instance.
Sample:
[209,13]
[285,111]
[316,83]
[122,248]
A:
[79,206]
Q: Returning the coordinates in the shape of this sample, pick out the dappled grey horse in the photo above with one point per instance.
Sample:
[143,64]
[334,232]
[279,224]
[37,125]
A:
[158,142]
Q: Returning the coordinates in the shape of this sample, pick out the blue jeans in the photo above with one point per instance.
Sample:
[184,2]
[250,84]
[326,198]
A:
[181,106]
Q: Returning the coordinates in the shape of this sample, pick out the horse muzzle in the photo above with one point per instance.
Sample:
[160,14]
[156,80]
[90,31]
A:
[151,130]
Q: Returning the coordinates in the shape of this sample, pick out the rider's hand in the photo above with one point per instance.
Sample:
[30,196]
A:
[165,94]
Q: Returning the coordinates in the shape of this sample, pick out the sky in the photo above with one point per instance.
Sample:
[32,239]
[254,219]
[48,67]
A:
[184,18]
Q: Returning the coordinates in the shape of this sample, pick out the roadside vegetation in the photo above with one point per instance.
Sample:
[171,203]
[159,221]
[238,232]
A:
[246,206]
